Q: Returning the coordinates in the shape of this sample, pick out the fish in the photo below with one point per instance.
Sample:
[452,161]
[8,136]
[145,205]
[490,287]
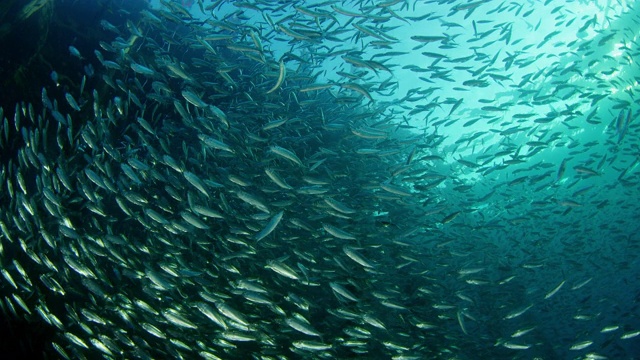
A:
[143,70]
[72,102]
[522,332]
[216,144]
[193,99]
[282,73]
[342,292]
[517,313]
[630,334]
[339,233]
[581,345]
[555,290]
[515,346]
[253,200]
[75,52]
[353,255]
[299,323]
[286,154]
[195,181]
[278,180]
[271,225]
[282,269]
[338,206]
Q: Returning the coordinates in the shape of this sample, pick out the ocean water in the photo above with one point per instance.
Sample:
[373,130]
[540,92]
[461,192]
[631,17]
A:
[344,179]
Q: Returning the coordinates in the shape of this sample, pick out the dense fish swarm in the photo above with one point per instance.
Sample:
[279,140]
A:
[341,179]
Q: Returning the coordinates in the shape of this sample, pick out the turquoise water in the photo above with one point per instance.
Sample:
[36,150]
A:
[405,180]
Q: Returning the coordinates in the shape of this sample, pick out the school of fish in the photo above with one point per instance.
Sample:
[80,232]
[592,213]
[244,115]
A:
[259,180]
